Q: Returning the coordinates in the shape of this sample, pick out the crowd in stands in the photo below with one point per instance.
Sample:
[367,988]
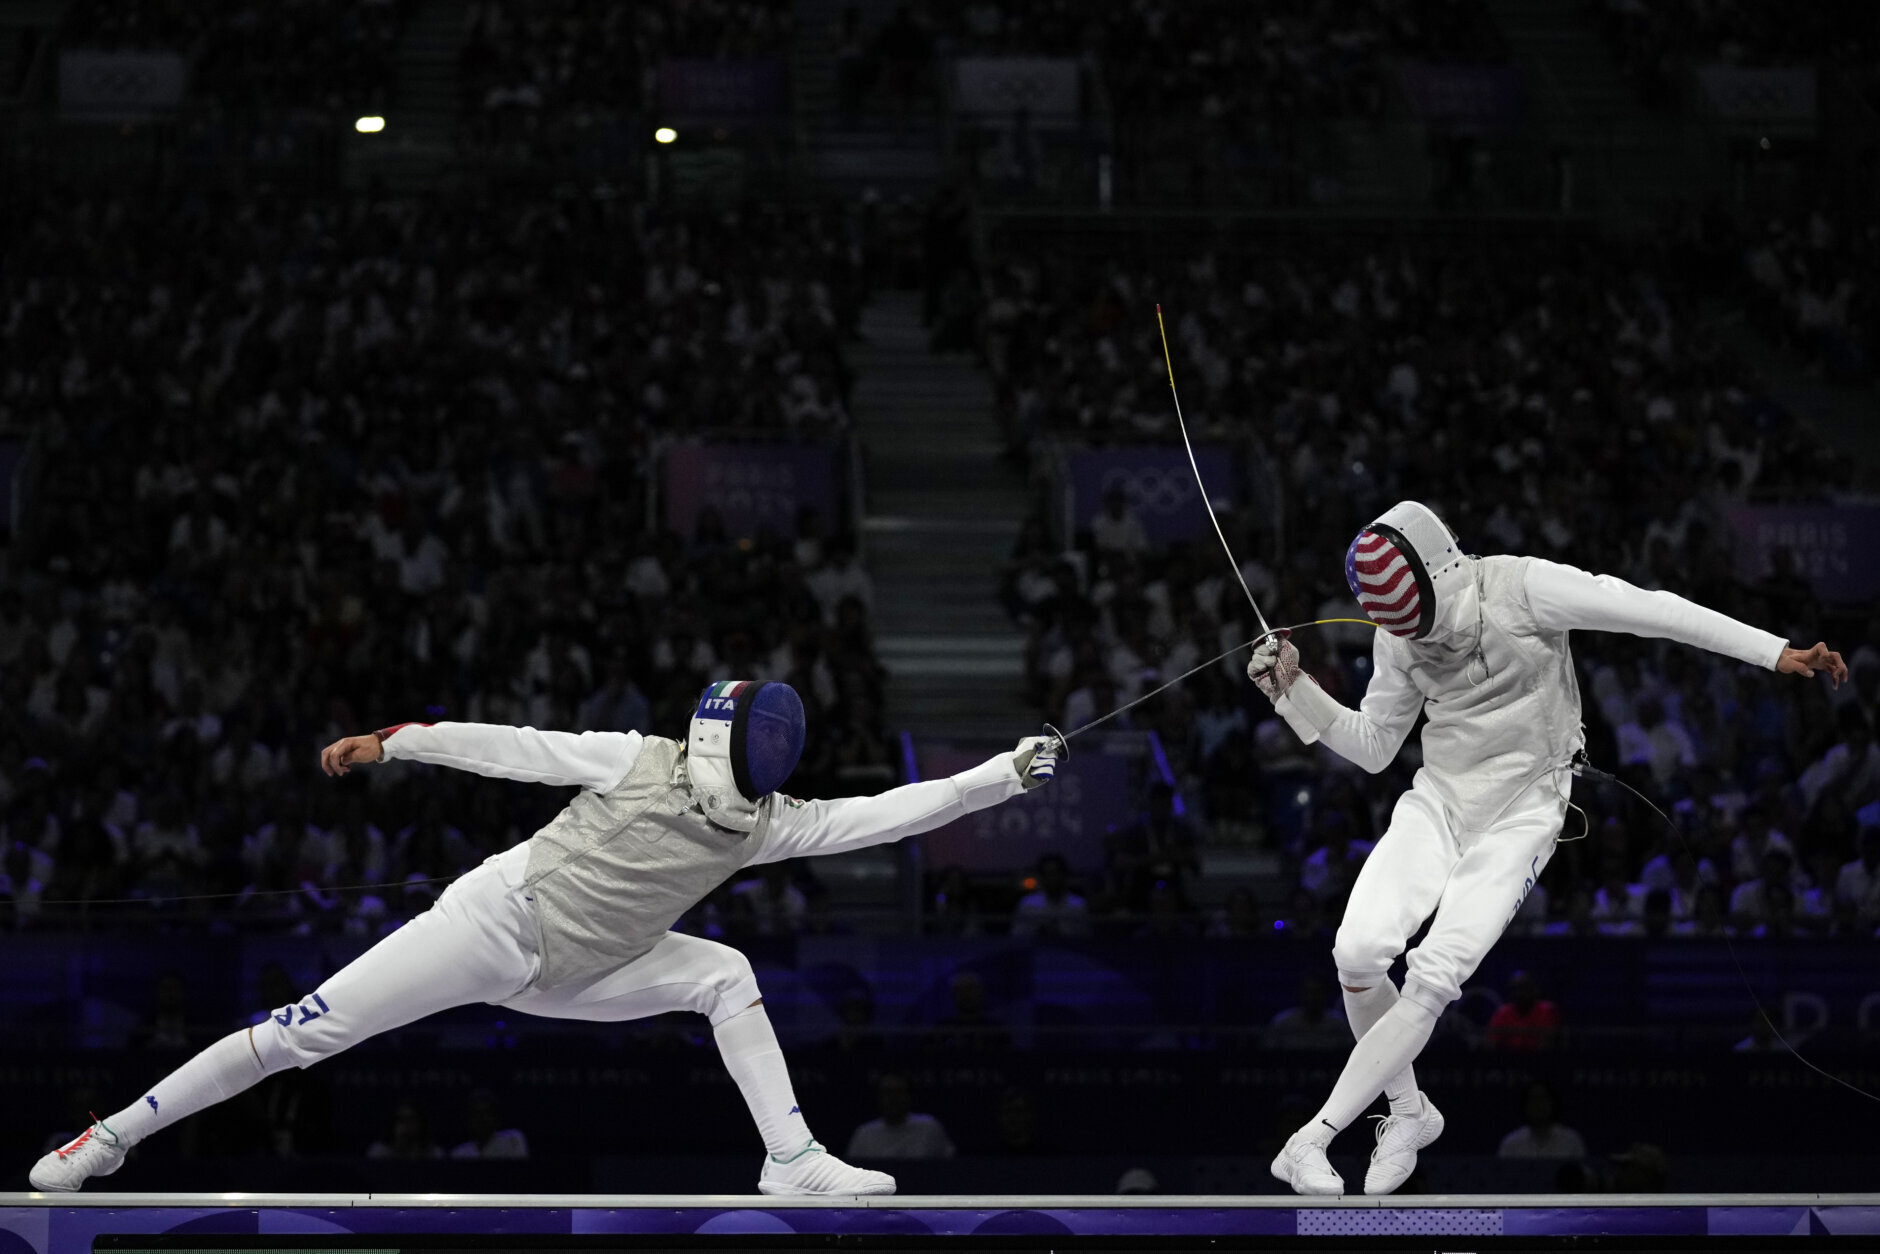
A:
[1656,42]
[1292,59]
[1198,100]
[303,468]
[1810,284]
[533,73]
[255,57]
[1548,398]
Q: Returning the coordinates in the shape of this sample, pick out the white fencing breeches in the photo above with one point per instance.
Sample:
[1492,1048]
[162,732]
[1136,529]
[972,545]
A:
[1473,881]
[479,943]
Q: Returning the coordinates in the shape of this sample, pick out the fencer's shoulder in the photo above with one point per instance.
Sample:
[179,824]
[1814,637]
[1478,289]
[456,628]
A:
[1504,565]
[1389,650]
[1504,577]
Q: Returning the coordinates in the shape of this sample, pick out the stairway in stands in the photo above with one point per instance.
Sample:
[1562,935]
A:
[943,510]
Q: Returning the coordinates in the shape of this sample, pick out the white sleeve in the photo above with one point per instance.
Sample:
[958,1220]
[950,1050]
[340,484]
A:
[809,828]
[1566,598]
[1370,735]
[595,759]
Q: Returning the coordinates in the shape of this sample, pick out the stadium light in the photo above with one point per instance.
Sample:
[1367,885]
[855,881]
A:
[665,135]
[369,126]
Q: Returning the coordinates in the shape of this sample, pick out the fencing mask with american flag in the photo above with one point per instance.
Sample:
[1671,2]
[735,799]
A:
[1396,566]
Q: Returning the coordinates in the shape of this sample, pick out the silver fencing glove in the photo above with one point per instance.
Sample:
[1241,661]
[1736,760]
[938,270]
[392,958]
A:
[1274,665]
[1036,760]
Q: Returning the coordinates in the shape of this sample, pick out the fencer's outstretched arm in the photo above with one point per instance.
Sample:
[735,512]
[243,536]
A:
[594,759]
[809,828]
[1370,735]
[1566,598]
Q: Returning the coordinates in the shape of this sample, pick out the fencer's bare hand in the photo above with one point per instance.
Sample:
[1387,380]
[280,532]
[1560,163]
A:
[342,755]
[1796,661]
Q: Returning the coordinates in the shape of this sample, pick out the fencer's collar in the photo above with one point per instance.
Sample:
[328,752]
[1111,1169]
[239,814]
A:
[717,795]
[1458,619]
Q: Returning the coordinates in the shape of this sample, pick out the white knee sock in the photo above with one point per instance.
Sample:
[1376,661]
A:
[1389,1047]
[1362,1011]
[216,1074]
[755,1060]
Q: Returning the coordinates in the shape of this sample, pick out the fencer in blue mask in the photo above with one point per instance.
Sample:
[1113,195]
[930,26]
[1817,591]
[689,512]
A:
[574,922]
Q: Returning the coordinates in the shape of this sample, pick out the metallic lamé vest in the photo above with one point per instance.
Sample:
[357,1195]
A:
[1499,724]
[615,870]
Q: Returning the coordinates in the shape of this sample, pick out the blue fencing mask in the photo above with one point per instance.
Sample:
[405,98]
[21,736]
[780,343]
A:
[746,738]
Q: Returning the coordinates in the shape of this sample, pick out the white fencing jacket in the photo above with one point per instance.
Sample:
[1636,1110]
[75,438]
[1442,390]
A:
[1496,679]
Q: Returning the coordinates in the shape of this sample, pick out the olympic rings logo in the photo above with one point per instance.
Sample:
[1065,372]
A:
[1156,489]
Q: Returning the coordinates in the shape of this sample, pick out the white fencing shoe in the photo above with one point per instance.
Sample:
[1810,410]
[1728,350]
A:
[1303,1166]
[94,1152]
[813,1171]
[1399,1137]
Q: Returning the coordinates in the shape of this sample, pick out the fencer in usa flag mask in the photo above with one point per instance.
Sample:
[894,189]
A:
[746,737]
[1402,566]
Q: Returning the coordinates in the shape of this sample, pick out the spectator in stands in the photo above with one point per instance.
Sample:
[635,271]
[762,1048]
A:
[1238,918]
[1657,921]
[898,1131]
[1851,769]
[1018,1123]
[1681,873]
[968,1026]
[1159,848]
[1858,884]
[1051,910]
[1328,871]
[1777,919]
[488,1137]
[1526,1021]
[856,1032]
[1640,1168]
[1654,741]
[840,579]
[409,1138]
[1709,918]
[1618,907]
[1170,916]
[1137,1182]
[769,904]
[1310,1025]
[1756,837]
[1578,918]
[1304,919]
[1542,1135]
[1751,902]
[24,874]
[953,908]
[1117,529]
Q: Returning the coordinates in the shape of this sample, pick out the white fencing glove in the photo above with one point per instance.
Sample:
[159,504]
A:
[1274,665]
[1036,760]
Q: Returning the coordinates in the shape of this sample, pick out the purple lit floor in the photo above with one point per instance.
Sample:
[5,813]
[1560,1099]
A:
[68,1224]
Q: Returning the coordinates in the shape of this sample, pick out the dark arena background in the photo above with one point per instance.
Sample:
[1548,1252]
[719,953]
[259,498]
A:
[538,362]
